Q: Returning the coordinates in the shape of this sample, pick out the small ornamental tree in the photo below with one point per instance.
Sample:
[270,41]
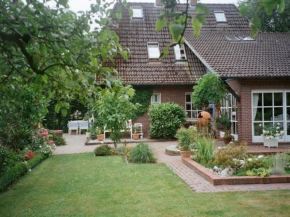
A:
[114,108]
[165,119]
[209,89]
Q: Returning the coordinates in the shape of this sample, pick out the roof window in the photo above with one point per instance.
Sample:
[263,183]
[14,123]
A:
[246,38]
[179,51]
[153,50]
[220,16]
[233,38]
[137,12]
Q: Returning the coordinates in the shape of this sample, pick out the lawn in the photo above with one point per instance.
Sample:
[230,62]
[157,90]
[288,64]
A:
[83,185]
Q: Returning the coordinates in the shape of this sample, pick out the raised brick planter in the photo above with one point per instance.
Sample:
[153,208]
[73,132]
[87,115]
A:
[57,132]
[236,180]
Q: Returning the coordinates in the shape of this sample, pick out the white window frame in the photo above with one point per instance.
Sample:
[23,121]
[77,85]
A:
[229,106]
[179,56]
[148,49]
[137,17]
[153,102]
[284,106]
[192,109]
[216,17]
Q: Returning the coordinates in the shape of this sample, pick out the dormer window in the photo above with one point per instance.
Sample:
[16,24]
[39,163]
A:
[179,51]
[153,50]
[220,16]
[137,12]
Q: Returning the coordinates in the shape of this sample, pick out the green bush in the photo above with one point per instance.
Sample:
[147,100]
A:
[205,148]
[256,163]
[165,120]
[103,150]
[14,173]
[142,154]
[8,159]
[58,141]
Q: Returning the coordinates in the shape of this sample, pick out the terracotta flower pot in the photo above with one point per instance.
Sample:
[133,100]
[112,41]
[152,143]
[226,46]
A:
[94,137]
[227,139]
[185,154]
[136,136]
[101,137]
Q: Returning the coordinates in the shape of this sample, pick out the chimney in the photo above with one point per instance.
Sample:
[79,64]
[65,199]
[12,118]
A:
[193,3]
[158,3]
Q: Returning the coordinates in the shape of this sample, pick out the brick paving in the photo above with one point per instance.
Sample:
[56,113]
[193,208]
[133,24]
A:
[76,144]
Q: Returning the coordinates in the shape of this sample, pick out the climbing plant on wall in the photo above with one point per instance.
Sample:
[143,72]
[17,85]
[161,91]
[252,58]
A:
[142,96]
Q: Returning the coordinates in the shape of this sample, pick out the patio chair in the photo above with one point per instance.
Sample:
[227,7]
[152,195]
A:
[140,127]
[83,125]
[73,126]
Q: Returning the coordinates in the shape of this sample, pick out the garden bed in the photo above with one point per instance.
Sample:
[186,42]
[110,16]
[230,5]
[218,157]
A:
[215,179]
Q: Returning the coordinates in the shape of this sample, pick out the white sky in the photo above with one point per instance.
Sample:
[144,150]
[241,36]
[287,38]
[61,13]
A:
[78,5]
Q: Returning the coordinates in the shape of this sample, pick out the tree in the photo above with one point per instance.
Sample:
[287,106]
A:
[276,22]
[114,108]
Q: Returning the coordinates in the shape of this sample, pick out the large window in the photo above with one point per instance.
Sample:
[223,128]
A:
[153,50]
[268,108]
[229,109]
[191,112]
[220,16]
[156,98]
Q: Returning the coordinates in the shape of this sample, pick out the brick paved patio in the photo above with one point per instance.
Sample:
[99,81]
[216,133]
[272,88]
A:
[76,144]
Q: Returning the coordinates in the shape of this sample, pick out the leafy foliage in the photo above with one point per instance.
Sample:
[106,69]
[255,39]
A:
[142,154]
[142,96]
[58,141]
[103,150]
[186,138]
[255,163]
[209,89]
[165,119]
[205,148]
[262,172]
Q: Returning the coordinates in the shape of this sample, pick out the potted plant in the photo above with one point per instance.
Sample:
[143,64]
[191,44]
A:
[224,124]
[100,132]
[271,135]
[88,133]
[93,132]
[184,142]
[136,134]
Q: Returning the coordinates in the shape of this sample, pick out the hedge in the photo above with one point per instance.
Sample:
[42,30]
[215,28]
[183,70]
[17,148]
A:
[19,170]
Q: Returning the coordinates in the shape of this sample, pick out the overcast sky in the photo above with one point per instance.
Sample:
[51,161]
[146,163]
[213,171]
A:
[78,5]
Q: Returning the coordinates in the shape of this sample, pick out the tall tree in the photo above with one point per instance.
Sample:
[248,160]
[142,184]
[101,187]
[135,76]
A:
[275,22]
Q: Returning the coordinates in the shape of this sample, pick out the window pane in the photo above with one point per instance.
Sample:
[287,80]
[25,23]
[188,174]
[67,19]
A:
[220,17]
[288,99]
[278,99]
[153,50]
[257,99]
[268,114]
[258,129]
[288,128]
[189,114]
[268,99]
[257,112]
[278,114]
[177,52]
[188,107]
[288,114]
[188,98]
[137,12]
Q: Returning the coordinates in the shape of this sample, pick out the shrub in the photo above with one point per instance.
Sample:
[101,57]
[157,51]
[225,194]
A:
[14,173]
[229,156]
[8,159]
[58,141]
[256,163]
[103,150]
[142,154]
[205,149]
[186,138]
[262,172]
[165,120]
[280,162]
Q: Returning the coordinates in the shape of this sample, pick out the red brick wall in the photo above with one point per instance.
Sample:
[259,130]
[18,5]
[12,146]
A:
[244,89]
[169,93]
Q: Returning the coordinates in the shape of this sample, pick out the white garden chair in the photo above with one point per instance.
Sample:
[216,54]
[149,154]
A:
[83,125]
[72,125]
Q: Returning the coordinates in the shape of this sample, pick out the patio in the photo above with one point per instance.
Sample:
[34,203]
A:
[76,144]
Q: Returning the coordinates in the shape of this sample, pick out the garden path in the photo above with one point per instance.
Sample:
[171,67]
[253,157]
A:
[76,144]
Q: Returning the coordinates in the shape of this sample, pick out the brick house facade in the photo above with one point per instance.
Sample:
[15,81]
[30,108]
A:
[257,70]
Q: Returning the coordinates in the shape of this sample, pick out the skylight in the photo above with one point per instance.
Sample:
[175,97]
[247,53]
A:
[246,38]
[233,38]
[220,16]
[153,50]
[137,12]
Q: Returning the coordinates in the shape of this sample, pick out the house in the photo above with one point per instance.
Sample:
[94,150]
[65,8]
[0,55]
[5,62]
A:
[257,70]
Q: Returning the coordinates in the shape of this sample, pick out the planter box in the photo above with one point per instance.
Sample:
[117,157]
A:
[271,143]
[215,179]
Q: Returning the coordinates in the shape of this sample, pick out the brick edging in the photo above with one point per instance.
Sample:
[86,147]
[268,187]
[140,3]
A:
[236,180]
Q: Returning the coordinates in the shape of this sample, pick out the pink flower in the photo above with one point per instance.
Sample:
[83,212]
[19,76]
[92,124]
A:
[38,134]
[51,142]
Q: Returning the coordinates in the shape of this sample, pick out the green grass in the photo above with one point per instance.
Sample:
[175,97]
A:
[83,185]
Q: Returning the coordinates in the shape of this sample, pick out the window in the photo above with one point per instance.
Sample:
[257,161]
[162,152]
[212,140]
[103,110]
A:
[179,51]
[246,38]
[191,112]
[268,108]
[153,50]
[156,99]
[229,109]
[220,16]
[137,12]
[233,38]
